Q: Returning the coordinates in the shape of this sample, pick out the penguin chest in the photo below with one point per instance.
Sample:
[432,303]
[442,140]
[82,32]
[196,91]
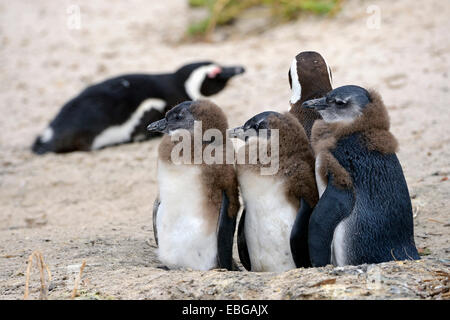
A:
[268,222]
[186,230]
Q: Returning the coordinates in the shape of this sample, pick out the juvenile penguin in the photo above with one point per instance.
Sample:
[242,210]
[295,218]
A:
[309,78]
[364,212]
[117,110]
[194,215]
[278,202]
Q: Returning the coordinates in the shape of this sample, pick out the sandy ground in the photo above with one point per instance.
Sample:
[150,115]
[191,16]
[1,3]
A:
[97,206]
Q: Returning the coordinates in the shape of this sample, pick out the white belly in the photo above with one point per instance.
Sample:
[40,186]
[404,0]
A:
[268,222]
[338,250]
[184,236]
[122,133]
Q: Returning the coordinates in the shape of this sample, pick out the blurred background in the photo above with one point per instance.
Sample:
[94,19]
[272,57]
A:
[97,206]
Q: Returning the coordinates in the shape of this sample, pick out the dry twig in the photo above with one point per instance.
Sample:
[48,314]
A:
[77,280]
[41,266]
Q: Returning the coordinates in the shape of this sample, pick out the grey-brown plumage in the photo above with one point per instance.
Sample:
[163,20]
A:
[216,177]
[309,78]
[373,125]
[296,159]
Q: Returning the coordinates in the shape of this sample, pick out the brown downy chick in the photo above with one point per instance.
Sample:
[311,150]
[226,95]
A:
[194,216]
[364,214]
[278,196]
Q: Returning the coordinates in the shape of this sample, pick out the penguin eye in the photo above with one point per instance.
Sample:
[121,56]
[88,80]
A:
[339,102]
[178,116]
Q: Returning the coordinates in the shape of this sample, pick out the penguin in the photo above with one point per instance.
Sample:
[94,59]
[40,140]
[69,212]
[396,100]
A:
[309,77]
[364,213]
[117,110]
[194,215]
[276,203]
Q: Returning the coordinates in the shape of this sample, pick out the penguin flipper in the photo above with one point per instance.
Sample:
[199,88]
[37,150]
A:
[225,235]
[242,244]
[155,213]
[299,236]
[334,205]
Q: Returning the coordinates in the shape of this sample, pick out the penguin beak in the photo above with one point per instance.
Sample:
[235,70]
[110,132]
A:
[230,72]
[158,126]
[237,132]
[317,104]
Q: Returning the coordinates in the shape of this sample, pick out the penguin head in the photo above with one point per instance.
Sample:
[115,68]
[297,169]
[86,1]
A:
[309,73]
[343,104]
[185,114]
[203,79]
[252,127]
[179,117]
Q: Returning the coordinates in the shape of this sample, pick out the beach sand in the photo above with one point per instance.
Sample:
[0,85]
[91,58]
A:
[96,207]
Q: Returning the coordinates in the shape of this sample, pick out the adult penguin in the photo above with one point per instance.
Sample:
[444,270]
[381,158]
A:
[118,110]
[309,77]
[364,213]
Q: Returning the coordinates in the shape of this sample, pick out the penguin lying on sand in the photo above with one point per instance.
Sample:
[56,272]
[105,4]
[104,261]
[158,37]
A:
[194,215]
[309,78]
[117,110]
[364,212]
[275,204]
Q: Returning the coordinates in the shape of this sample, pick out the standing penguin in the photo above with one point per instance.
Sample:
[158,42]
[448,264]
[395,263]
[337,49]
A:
[364,213]
[309,78]
[278,203]
[117,110]
[194,215]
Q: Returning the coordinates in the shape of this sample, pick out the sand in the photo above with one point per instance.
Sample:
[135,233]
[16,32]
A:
[97,206]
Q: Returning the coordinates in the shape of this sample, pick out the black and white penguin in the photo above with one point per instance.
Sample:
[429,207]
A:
[194,215]
[364,213]
[117,110]
[277,202]
[309,78]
